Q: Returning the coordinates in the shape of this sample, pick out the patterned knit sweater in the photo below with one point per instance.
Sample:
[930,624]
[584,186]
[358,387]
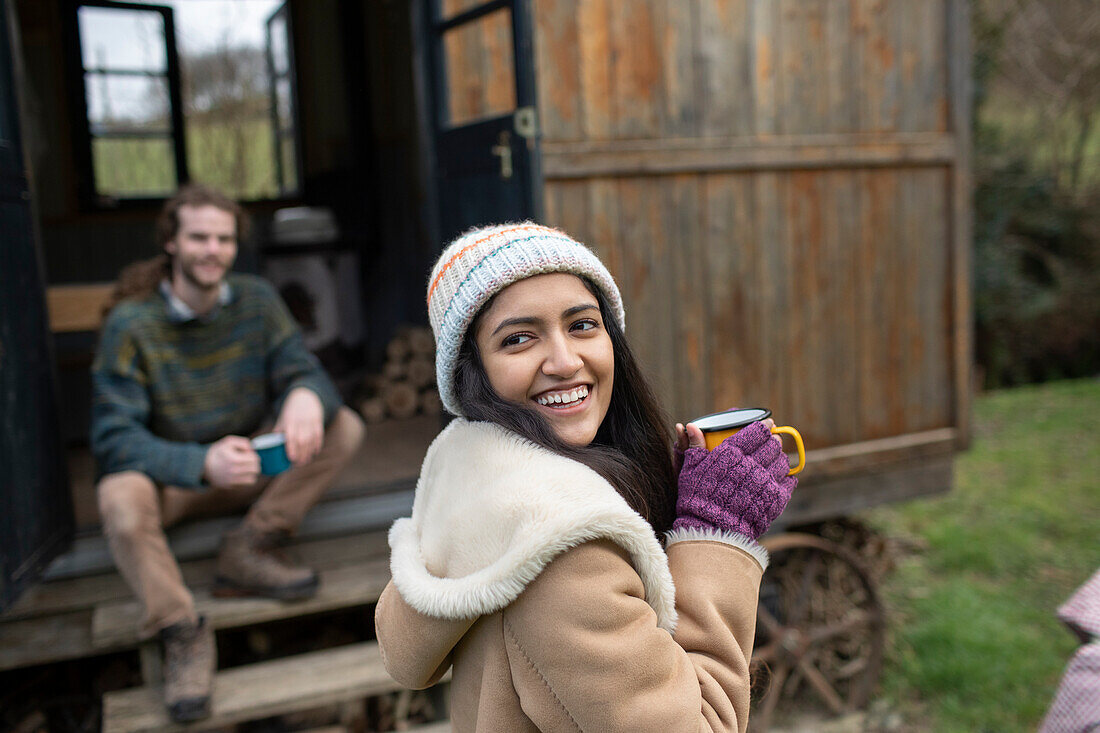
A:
[164,389]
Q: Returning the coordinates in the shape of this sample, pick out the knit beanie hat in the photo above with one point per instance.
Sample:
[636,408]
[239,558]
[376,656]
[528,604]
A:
[481,263]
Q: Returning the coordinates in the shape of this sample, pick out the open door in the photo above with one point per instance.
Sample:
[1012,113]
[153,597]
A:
[485,122]
[36,518]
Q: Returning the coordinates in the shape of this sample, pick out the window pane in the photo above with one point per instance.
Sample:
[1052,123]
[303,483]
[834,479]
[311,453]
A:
[228,120]
[481,79]
[234,153]
[120,39]
[133,167]
[225,93]
[125,103]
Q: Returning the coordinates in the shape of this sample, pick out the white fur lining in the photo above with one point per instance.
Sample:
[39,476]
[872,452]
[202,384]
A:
[749,545]
[492,510]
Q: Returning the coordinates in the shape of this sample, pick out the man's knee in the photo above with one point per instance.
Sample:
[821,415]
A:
[127,503]
[345,433]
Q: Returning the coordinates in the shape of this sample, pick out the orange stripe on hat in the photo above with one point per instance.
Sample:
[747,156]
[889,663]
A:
[468,247]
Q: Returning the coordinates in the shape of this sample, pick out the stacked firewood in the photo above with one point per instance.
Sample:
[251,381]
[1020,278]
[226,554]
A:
[406,385]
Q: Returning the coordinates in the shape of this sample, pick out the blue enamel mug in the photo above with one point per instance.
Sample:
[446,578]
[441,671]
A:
[271,447]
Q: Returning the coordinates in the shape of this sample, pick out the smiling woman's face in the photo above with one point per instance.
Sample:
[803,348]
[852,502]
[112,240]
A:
[543,343]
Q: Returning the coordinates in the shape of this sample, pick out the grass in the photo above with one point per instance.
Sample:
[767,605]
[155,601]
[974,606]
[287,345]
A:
[237,158]
[975,644]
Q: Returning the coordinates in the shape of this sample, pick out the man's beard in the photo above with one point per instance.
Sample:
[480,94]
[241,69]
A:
[189,275]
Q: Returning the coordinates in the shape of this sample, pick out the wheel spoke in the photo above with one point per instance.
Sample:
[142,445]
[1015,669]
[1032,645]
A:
[795,678]
[817,680]
[770,622]
[854,620]
[766,653]
[802,603]
[851,669]
[823,629]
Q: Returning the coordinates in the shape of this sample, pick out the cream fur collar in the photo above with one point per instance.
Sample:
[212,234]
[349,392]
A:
[492,510]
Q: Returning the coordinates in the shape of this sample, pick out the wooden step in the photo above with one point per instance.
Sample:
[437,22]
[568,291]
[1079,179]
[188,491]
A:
[200,539]
[262,690]
[53,638]
[53,621]
[87,592]
[115,624]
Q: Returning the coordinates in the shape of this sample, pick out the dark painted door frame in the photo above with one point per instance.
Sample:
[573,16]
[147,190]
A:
[472,182]
[36,517]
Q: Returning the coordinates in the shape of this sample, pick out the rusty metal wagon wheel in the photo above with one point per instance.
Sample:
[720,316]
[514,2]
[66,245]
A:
[820,630]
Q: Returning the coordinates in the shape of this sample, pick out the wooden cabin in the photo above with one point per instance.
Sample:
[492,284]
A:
[780,187]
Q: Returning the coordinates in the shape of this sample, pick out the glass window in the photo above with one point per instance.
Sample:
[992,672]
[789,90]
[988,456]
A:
[120,38]
[481,78]
[120,103]
[229,70]
[134,168]
[124,55]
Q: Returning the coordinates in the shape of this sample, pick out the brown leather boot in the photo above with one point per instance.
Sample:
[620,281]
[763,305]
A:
[190,658]
[249,564]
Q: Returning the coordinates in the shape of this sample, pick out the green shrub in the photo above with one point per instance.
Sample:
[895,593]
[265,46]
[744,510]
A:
[1036,279]
[1036,206]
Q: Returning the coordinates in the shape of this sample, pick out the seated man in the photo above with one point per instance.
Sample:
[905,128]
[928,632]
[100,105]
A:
[184,373]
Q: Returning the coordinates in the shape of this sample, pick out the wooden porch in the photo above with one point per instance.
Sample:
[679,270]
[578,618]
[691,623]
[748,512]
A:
[83,608]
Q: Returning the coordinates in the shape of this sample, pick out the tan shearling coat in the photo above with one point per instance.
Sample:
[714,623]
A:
[555,604]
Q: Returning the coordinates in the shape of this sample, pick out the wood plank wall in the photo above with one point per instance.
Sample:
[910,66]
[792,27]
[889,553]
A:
[660,69]
[779,188]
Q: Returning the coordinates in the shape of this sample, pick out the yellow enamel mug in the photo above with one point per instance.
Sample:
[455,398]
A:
[718,426]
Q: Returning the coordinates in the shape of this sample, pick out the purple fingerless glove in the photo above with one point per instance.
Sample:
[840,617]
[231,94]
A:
[740,486]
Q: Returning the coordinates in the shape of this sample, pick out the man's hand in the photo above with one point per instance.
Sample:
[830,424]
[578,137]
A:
[231,462]
[302,420]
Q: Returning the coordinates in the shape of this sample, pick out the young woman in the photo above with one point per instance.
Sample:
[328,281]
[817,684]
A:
[531,564]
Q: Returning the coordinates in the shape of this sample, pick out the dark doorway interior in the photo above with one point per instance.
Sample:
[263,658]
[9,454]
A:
[351,142]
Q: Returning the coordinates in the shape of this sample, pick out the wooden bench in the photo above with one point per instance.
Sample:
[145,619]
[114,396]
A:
[331,676]
[75,308]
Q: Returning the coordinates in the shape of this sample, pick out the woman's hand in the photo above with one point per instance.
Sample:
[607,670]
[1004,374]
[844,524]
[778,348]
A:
[740,486]
[689,437]
[686,437]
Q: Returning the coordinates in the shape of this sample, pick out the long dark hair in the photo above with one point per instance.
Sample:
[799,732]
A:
[632,447]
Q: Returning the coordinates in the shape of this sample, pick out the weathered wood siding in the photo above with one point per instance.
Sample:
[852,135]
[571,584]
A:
[779,187]
[658,69]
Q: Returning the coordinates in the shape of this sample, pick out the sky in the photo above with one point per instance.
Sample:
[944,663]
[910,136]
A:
[200,24]
[124,39]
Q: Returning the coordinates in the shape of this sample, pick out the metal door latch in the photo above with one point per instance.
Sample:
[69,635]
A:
[503,148]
